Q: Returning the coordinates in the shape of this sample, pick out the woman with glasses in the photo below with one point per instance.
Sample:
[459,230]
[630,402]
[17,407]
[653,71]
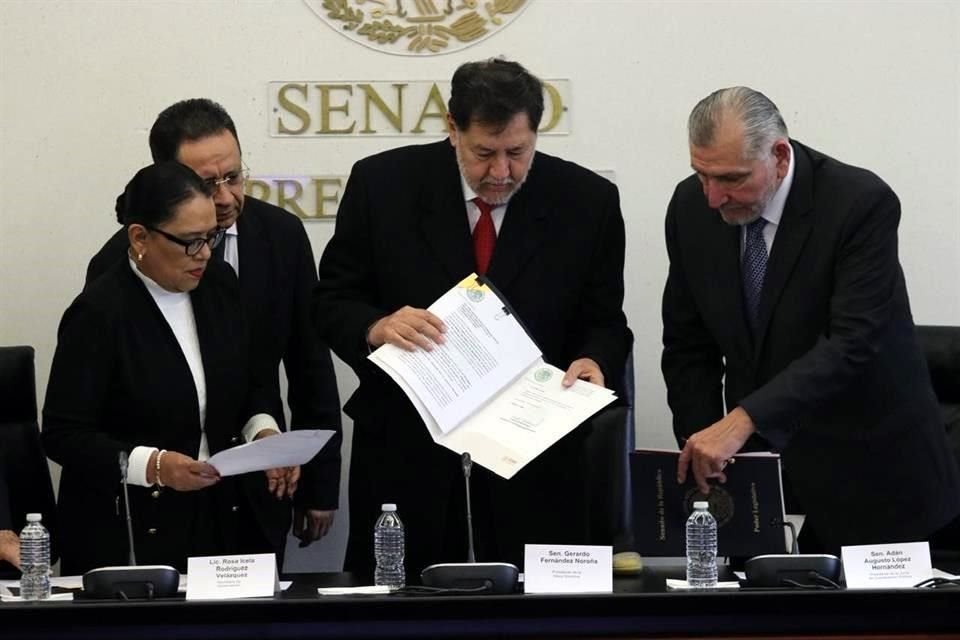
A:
[150,378]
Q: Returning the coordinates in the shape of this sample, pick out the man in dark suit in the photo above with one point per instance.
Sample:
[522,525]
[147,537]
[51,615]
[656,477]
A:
[785,299]
[548,234]
[270,252]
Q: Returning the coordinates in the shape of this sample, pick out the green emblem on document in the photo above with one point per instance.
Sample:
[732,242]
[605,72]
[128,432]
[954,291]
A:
[474,295]
[542,375]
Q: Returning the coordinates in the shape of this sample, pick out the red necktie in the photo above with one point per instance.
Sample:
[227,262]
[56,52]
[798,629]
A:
[484,236]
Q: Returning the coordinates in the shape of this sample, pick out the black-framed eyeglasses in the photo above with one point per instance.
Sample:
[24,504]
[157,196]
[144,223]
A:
[192,247]
[231,179]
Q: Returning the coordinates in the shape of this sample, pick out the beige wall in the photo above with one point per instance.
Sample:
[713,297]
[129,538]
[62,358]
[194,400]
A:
[874,84]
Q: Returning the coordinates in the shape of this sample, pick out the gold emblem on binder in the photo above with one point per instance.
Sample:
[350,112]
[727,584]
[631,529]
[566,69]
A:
[417,27]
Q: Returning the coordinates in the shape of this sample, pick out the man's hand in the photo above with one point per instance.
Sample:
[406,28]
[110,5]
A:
[584,369]
[282,481]
[407,328]
[180,472]
[10,547]
[707,452]
[309,525]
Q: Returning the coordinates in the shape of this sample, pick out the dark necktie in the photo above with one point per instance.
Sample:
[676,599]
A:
[218,251]
[754,269]
[484,237]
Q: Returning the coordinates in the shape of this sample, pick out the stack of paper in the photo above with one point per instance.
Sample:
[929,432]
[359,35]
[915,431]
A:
[487,390]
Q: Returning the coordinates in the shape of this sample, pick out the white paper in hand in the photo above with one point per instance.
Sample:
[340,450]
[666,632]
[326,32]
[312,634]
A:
[284,450]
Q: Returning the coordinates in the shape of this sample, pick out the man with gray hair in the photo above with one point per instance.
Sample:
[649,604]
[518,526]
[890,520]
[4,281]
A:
[787,327]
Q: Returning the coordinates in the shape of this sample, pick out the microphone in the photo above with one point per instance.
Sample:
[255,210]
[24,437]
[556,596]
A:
[467,464]
[131,582]
[472,576]
[124,464]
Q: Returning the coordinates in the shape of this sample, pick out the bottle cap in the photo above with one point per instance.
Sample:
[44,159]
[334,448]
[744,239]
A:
[34,517]
[701,504]
[388,506]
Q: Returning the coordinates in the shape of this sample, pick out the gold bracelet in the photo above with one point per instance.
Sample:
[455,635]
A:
[157,467]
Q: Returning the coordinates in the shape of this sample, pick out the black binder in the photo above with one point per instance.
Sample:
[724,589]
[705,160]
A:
[748,507]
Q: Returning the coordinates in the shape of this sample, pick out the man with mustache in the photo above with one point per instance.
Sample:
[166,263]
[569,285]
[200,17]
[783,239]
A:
[412,223]
[787,327]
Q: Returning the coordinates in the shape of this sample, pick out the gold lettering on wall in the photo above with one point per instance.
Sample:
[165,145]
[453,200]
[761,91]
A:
[436,100]
[402,108]
[288,106]
[371,97]
[307,197]
[326,108]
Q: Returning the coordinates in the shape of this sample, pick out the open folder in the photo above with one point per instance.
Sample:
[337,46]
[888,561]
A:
[487,390]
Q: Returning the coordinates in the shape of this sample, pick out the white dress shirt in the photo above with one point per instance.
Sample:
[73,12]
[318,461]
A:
[773,211]
[177,310]
[231,248]
[473,211]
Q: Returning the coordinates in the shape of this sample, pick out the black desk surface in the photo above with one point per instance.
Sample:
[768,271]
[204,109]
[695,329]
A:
[639,607]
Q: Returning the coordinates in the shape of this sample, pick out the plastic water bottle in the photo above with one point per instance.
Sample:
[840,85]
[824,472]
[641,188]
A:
[388,549]
[35,559]
[701,547]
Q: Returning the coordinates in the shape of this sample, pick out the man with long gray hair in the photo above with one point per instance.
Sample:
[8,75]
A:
[787,327]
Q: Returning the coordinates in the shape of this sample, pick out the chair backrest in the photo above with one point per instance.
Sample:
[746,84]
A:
[941,348]
[18,385]
[608,447]
[23,463]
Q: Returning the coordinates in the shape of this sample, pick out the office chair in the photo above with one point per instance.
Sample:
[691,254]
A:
[22,461]
[941,348]
[608,447]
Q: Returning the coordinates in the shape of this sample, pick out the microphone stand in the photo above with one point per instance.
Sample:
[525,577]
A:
[467,464]
[471,576]
[124,464]
[130,582]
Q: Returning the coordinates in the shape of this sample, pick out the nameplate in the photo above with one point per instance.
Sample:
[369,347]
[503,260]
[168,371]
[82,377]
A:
[886,566]
[567,569]
[228,577]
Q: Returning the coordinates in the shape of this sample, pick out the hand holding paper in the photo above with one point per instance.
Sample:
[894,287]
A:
[485,388]
[288,449]
[408,328]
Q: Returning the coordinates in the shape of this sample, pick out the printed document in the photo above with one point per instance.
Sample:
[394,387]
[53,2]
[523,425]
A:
[287,449]
[487,390]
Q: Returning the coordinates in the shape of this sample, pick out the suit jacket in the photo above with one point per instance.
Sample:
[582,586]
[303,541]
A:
[119,379]
[403,238]
[277,277]
[834,378]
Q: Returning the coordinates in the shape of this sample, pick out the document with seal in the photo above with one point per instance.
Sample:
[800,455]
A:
[486,390]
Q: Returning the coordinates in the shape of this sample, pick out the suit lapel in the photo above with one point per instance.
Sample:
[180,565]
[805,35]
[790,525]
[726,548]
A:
[791,236]
[523,231]
[443,218]
[183,381]
[253,249]
[728,273]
